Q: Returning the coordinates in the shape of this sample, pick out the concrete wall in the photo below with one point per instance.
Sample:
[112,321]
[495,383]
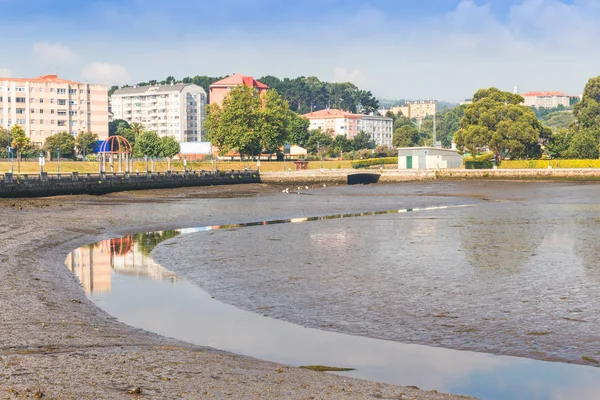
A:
[35,185]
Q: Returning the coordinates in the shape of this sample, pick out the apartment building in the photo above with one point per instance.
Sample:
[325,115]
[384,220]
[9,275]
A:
[419,109]
[176,110]
[219,89]
[47,105]
[339,122]
[546,99]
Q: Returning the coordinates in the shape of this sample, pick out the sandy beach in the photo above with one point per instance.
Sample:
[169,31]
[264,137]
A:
[56,344]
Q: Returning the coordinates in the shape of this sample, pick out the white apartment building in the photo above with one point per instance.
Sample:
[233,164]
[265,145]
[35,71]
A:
[381,129]
[47,105]
[176,110]
[546,99]
[338,122]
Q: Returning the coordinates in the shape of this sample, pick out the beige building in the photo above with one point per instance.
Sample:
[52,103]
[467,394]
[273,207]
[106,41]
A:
[546,99]
[176,110]
[339,122]
[47,105]
[220,89]
[416,109]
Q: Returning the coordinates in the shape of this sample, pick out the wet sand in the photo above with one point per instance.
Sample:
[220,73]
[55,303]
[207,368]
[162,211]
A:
[515,273]
[54,343]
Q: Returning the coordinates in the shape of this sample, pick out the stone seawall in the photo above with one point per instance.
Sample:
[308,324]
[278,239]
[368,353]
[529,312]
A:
[340,176]
[40,185]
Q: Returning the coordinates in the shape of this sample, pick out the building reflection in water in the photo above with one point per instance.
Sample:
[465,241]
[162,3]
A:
[129,255]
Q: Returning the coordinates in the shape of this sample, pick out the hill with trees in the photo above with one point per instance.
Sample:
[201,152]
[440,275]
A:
[303,94]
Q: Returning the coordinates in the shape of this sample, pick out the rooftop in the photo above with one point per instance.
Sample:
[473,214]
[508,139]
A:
[157,89]
[239,80]
[42,79]
[545,94]
[329,113]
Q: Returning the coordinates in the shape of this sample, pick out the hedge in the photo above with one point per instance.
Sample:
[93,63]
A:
[374,161]
[543,164]
[469,164]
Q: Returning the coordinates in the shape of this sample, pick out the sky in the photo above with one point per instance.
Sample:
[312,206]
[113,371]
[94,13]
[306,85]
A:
[398,49]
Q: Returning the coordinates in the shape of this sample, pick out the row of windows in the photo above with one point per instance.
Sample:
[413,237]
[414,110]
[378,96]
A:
[41,90]
[60,102]
[41,122]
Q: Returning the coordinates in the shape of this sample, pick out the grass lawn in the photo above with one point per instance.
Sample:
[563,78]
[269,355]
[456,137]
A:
[32,167]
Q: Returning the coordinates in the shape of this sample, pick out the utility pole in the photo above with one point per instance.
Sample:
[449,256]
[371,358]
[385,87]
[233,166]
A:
[434,130]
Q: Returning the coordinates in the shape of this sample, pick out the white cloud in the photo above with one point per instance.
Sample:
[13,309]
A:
[105,73]
[53,53]
[355,76]
[5,73]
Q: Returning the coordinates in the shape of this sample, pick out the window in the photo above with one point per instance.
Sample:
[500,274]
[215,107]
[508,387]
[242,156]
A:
[41,101]
[42,122]
[20,111]
[32,90]
[62,123]
[21,121]
[31,100]
[52,101]
[62,102]
[72,102]
[52,132]
[62,113]
[19,89]
[73,123]
[20,99]
[41,111]
[51,90]
[60,91]
[73,113]
[33,111]
[72,91]
[41,132]
[52,111]
[42,91]
[33,121]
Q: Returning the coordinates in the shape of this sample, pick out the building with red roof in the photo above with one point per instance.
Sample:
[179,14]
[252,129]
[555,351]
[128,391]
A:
[219,89]
[546,99]
[47,105]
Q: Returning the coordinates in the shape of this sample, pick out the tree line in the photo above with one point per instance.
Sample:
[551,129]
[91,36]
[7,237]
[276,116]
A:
[303,94]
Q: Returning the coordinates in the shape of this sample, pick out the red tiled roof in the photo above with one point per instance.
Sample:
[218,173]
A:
[238,80]
[330,114]
[544,94]
[42,79]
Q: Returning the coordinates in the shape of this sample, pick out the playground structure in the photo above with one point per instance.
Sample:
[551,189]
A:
[115,147]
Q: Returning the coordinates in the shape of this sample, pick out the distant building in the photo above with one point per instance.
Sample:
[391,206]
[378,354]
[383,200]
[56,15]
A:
[47,105]
[466,102]
[176,110]
[546,99]
[219,89]
[416,109]
[428,158]
[338,122]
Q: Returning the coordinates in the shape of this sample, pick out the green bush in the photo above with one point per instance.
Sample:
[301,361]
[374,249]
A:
[470,164]
[374,161]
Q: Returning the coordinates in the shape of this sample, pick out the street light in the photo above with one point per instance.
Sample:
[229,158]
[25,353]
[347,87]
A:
[58,159]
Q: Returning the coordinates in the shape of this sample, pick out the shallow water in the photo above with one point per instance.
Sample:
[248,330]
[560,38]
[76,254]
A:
[123,279]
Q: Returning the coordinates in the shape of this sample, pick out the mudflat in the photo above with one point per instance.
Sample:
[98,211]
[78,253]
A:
[56,344]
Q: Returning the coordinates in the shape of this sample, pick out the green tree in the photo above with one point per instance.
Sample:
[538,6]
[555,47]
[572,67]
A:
[362,140]
[3,142]
[587,111]
[317,141]
[20,142]
[169,148]
[61,141]
[147,144]
[298,126]
[583,145]
[406,136]
[84,142]
[234,125]
[114,125]
[136,128]
[124,130]
[558,144]
[497,121]
[340,145]
[273,122]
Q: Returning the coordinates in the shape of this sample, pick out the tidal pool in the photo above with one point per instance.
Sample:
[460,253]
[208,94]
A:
[122,277]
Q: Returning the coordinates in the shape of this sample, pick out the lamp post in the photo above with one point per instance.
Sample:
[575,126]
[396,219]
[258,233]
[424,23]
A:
[58,159]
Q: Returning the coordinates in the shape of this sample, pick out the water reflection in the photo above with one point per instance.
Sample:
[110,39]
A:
[129,255]
[110,273]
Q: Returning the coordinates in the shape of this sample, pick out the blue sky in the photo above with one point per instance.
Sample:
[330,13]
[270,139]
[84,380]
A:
[442,49]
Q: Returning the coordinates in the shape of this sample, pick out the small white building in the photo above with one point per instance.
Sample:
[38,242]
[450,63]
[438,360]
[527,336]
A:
[428,158]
